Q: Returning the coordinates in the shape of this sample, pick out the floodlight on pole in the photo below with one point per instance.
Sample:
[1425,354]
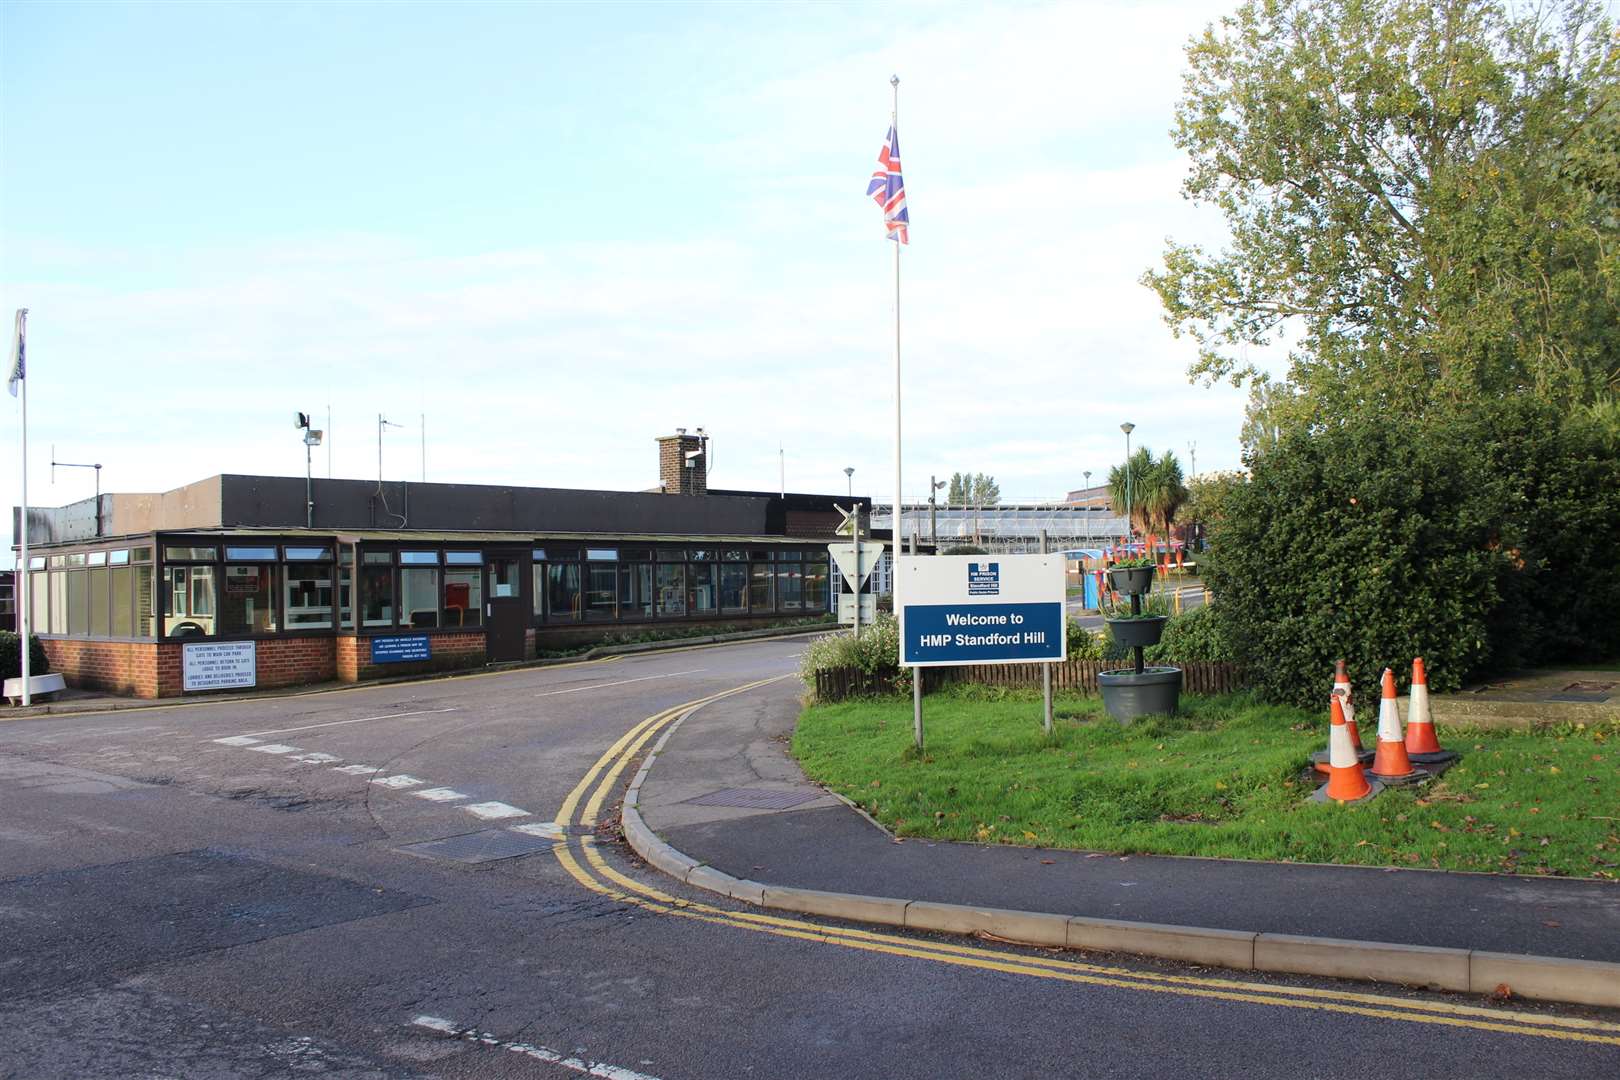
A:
[1130,498]
[849,479]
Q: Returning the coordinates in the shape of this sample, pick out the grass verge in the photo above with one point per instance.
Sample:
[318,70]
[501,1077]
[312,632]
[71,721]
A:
[1220,779]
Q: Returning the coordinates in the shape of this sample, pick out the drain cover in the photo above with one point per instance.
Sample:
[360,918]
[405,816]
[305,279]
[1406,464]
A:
[755,798]
[480,847]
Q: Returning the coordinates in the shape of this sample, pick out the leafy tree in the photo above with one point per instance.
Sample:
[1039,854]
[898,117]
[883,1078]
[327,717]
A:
[1273,406]
[1421,193]
[1155,487]
[984,491]
[1207,497]
[957,493]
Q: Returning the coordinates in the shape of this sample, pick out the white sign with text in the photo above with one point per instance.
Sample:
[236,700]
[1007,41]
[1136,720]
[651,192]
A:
[214,665]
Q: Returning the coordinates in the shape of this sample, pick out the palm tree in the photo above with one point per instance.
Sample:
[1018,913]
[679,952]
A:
[1157,490]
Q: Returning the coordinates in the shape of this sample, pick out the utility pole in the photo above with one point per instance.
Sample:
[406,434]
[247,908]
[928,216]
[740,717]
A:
[933,511]
[329,440]
[422,417]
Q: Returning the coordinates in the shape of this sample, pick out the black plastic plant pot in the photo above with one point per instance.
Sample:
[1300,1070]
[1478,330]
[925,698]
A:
[1130,580]
[1127,695]
[1133,632]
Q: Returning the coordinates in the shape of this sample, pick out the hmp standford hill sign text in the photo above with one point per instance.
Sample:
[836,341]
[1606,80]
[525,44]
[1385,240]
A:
[980,609]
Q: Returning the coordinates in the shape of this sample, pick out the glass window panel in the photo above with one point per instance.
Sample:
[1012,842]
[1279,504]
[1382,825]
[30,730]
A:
[345,555]
[761,555]
[636,554]
[346,597]
[419,597]
[671,554]
[564,554]
[247,603]
[538,555]
[78,603]
[377,558]
[39,590]
[815,585]
[601,554]
[118,558]
[58,602]
[76,559]
[671,589]
[36,562]
[761,593]
[700,598]
[538,600]
[562,592]
[144,601]
[600,590]
[190,554]
[464,558]
[635,591]
[790,586]
[734,587]
[140,554]
[464,597]
[504,579]
[96,558]
[702,555]
[100,601]
[123,601]
[734,555]
[419,558]
[306,554]
[377,595]
[308,595]
[247,553]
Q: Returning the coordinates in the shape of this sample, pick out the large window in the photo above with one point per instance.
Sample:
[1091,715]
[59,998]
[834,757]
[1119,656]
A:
[78,601]
[346,587]
[247,603]
[700,599]
[188,601]
[600,589]
[123,601]
[789,586]
[59,619]
[308,593]
[418,596]
[100,599]
[145,603]
[761,594]
[562,591]
[815,583]
[671,589]
[734,587]
[376,590]
[464,596]
[635,591]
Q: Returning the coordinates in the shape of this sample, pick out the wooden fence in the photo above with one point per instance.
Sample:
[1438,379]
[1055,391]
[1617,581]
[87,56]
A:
[1198,677]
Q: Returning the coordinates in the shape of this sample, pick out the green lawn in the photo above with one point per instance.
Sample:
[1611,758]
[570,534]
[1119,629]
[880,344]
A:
[1220,779]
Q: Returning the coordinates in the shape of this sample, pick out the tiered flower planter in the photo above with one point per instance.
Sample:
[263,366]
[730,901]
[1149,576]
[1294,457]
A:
[1138,690]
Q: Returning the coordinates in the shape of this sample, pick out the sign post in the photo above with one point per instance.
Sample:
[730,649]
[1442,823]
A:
[856,561]
[980,609]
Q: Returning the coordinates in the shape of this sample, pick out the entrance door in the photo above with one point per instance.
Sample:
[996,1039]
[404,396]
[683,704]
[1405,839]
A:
[509,606]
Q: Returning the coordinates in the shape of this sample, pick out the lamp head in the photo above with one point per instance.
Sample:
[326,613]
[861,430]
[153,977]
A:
[1127,427]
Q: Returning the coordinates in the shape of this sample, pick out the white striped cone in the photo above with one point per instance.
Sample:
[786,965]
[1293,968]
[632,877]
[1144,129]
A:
[1391,763]
[1343,690]
[1389,722]
[1422,745]
[1341,751]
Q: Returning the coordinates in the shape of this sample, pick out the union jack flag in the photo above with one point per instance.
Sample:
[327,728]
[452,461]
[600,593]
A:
[888,189]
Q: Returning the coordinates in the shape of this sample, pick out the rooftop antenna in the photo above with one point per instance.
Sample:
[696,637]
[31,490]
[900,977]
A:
[74,465]
[382,422]
[329,440]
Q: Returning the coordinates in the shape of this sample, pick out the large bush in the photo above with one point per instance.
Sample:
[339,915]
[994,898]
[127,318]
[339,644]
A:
[876,652]
[11,657]
[1474,537]
[1192,636]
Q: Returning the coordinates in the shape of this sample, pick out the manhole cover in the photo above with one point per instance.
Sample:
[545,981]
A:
[479,847]
[1598,698]
[755,798]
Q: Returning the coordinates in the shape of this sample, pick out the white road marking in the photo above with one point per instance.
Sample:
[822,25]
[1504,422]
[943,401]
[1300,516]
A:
[358,770]
[494,811]
[275,748]
[539,1053]
[548,829]
[621,682]
[398,780]
[356,720]
[315,758]
[439,794]
[237,740]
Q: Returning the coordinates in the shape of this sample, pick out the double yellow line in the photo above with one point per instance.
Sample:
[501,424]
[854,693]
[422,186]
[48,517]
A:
[597,875]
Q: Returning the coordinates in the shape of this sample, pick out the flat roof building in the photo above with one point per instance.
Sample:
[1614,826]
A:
[261,581]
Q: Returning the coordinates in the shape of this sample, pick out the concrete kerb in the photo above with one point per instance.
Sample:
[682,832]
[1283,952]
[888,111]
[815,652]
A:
[1547,978]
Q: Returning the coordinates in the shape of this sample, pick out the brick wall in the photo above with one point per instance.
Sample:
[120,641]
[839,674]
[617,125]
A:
[673,474]
[125,667]
[450,652]
[296,660]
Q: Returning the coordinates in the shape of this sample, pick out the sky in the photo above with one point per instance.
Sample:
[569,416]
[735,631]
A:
[560,231]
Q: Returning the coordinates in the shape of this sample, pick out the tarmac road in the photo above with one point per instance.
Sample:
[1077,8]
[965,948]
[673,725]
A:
[242,890]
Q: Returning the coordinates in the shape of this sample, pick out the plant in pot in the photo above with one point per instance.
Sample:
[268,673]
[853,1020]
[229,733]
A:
[1139,690]
[1131,577]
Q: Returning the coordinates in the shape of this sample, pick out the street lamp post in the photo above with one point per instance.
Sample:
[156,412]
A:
[849,479]
[1087,474]
[933,508]
[1130,494]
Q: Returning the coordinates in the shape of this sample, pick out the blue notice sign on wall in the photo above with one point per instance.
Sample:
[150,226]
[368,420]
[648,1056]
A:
[975,633]
[395,650]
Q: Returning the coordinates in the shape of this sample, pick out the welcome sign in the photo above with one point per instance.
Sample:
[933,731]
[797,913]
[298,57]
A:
[980,609]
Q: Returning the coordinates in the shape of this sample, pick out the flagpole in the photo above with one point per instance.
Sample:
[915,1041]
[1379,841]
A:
[24,594]
[894,238]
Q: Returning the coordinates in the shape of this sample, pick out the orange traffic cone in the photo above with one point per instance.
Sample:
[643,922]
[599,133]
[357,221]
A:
[1392,765]
[1421,744]
[1347,782]
[1341,690]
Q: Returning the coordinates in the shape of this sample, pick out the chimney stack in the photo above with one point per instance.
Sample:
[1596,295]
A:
[683,465]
